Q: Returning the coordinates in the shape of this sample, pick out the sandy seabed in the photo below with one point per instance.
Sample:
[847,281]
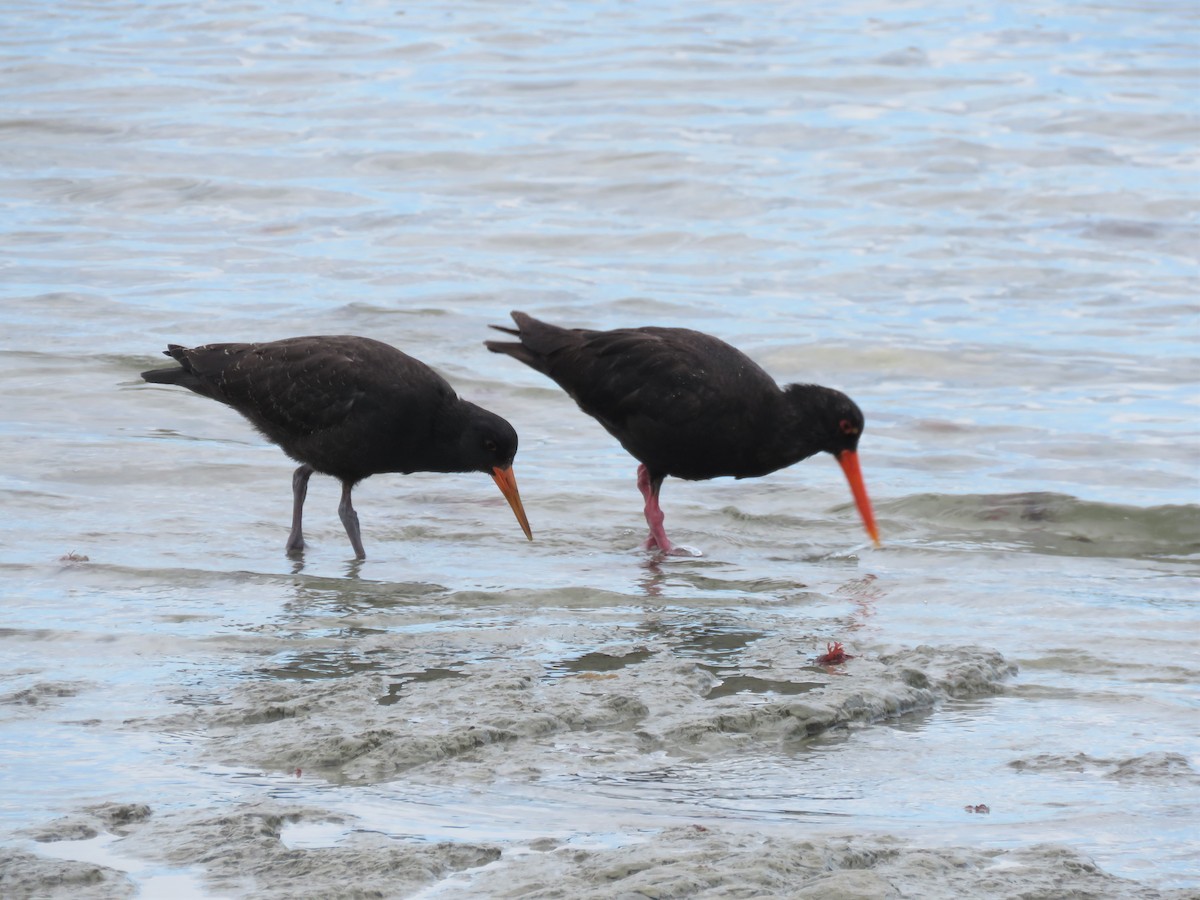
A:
[508,721]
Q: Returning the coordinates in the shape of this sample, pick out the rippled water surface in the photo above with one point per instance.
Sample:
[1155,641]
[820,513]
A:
[980,221]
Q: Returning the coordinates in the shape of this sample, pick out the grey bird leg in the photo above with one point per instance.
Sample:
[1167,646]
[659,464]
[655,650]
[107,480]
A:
[295,542]
[350,520]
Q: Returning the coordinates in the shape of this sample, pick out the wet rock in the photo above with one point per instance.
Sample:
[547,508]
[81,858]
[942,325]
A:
[714,865]
[242,854]
[26,876]
[117,818]
[42,694]
[875,689]
[113,818]
[1169,767]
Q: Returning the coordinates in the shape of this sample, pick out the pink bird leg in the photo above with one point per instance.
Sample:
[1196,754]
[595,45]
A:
[658,539]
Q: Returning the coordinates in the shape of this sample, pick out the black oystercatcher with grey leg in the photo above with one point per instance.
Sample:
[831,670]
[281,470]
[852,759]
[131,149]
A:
[349,407]
[686,404]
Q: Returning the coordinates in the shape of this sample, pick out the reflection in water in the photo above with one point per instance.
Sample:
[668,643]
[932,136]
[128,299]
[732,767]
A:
[352,570]
[865,592]
[321,664]
[751,684]
[655,579]
[602,662]
[396,688]
[354,594]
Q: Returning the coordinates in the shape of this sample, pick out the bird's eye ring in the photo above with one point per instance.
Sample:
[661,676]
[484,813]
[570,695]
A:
[847,427]
[489,445]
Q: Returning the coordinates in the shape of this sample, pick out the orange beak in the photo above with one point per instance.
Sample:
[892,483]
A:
[507,482]
[848,460]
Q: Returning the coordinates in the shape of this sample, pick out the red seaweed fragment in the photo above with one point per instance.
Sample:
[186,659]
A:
[834,655]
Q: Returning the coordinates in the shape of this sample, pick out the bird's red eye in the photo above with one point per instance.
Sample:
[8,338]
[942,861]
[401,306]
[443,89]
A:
[847,427]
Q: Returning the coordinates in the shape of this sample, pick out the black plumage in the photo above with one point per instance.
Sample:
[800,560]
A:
[350,407]
[687,404]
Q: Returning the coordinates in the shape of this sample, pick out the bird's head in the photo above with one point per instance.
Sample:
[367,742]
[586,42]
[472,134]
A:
[489,444]
[834,423]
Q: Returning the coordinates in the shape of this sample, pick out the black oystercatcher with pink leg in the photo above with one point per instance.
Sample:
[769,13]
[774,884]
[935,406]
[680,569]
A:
[689,405]
[349,407]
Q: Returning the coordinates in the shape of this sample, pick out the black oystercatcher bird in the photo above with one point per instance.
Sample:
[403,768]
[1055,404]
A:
[349,407]
[686,404]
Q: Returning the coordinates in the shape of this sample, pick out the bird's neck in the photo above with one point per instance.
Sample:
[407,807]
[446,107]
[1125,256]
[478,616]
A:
[802,423]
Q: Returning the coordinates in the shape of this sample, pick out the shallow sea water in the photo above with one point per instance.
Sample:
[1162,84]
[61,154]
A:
[980,221]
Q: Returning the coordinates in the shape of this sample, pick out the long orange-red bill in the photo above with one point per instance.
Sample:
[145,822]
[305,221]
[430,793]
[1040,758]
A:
[848,460]
[507,482]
